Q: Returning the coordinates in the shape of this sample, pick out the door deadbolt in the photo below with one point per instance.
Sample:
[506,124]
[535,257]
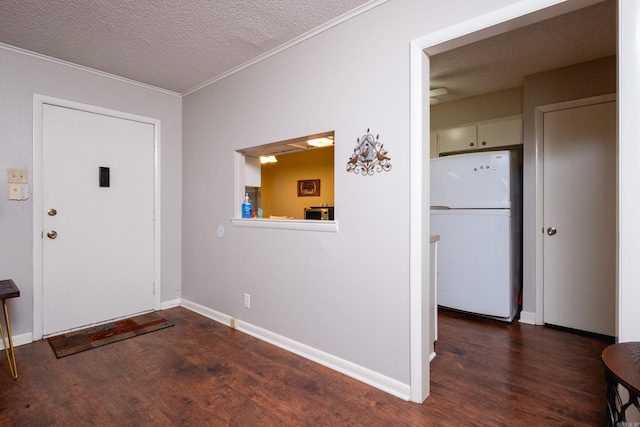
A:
[52,212]
[52,234]
[551,231]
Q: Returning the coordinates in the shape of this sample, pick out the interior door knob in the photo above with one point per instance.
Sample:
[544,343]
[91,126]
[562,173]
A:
[52,212]
[551,231]
[52,234]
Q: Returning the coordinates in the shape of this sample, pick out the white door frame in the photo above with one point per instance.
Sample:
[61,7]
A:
[539,162]
[504,19]
[38,104]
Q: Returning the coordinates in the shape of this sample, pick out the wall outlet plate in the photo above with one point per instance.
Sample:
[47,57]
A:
[247,301]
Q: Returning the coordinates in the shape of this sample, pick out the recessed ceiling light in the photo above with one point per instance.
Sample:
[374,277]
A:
[439,91]
[268,159]
[433,93]
[320,142]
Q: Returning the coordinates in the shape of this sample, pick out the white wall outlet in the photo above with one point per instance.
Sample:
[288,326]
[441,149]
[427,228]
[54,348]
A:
[17,176]
[247,301]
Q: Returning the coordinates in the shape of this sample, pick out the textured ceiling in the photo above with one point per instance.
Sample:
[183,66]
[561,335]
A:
[179,45]
[171,44]
[502,61]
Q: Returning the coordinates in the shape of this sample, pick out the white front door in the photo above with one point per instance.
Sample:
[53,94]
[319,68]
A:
[580,218]
[98,231]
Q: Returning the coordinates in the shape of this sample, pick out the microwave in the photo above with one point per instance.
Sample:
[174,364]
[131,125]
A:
[323,213]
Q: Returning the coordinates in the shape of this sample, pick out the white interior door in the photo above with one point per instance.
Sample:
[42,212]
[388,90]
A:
[99,265]
[580,217]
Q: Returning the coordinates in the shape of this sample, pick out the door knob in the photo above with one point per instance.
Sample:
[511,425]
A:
[52,212]
[551,231]
[52,234]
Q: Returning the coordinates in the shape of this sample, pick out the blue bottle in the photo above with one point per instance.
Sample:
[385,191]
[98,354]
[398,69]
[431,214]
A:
[246,207]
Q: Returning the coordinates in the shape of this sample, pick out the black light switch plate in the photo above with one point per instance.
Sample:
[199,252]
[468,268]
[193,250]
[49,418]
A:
[104,176]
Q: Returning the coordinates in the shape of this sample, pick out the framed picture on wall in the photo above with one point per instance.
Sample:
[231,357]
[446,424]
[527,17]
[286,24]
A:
[308,187]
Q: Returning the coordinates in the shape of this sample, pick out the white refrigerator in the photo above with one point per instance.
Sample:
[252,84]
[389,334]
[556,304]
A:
[476,209]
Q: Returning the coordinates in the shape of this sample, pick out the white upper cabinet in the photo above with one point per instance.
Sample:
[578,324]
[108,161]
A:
[461,138]
[500,133]
[477,136]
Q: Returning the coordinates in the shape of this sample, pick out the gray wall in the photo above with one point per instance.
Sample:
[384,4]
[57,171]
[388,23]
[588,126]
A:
[345,293]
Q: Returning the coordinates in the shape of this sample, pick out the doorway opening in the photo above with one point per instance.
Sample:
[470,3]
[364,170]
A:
[542,78]
[422,51]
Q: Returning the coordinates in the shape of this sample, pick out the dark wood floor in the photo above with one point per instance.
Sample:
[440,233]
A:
[202,373]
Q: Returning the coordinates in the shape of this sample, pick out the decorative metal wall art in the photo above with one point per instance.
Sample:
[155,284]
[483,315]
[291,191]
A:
[369,156]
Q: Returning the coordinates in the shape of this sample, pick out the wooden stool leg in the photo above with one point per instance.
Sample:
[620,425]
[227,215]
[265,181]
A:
[11,357]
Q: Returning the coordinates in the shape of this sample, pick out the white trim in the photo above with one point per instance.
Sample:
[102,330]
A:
[539,168]
[287,224]
[22,339]
[206,311]
[628,209]
[239,167]
[527,317]
[574,103]
[419,252]
[37,233]
[358,372]
[86,69]
[539,215]
[326,26]
[38,104]
[166,305]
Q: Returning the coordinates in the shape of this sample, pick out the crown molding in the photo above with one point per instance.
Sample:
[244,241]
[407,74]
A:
[86,69]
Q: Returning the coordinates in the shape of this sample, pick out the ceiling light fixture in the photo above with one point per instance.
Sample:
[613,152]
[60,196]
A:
[268,159]
[320,142]
[433,93]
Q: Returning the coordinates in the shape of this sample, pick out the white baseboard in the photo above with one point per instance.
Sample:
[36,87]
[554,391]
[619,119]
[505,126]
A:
[353,370]
[165,305]
[206,312]
[22,339]
[528,317]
